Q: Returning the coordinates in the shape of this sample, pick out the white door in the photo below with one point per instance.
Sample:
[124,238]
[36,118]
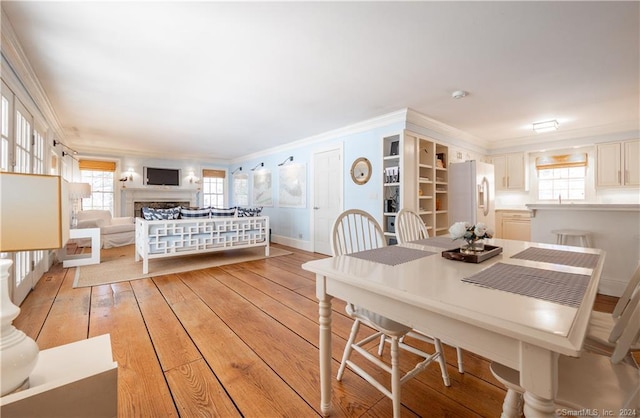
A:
[327,197]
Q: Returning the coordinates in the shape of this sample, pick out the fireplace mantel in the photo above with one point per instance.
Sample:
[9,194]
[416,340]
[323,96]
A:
[160,194]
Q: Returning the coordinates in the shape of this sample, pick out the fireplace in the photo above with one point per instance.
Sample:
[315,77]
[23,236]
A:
[137,206]
[160,198]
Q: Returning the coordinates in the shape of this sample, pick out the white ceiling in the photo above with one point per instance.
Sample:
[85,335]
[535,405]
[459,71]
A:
[222,80]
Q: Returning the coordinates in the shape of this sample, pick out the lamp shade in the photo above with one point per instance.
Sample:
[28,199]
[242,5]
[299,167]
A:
[79,190]
[30,212]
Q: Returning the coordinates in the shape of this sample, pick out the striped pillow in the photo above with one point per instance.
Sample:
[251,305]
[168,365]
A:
[223,212]
[151,214]
[244,212]
[195,212]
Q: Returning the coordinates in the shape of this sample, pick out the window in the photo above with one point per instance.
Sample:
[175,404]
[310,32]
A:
[562,177]
[23,144]
[213,188]
[100,175]
[241,189]
[4,140]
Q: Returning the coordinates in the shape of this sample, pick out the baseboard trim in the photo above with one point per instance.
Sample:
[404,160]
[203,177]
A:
[292,242]
[611,286]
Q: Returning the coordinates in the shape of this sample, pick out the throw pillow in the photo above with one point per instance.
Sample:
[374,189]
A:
[223,212]
[195,212]
[245,212]
[152,214]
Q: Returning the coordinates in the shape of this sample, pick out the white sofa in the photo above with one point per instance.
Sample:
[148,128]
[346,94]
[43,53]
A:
[169,238]
[114,232]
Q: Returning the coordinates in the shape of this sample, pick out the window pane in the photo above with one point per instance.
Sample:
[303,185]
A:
[567,183]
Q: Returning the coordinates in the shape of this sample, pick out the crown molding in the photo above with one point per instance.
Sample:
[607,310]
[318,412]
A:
[596,134]
[447,131]
[398,116]
[26,77]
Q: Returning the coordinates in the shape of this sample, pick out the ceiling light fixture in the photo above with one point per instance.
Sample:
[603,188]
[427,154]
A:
[459,94]
[547,126]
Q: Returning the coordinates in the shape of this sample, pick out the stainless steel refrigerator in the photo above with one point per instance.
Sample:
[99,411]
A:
[471,193]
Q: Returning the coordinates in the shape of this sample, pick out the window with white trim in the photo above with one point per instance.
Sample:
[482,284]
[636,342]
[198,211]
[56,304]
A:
[4,139]
[562,177]
[101,176]
[213,190]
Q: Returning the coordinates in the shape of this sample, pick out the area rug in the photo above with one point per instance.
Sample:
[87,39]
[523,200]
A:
[119,265]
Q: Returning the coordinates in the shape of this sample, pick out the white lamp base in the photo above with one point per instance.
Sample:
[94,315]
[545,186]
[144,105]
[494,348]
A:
[18,353]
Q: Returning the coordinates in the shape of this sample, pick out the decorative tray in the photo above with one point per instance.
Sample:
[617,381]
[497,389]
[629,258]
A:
[489,251]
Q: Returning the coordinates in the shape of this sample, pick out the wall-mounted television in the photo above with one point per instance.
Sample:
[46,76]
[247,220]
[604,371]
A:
[162,176]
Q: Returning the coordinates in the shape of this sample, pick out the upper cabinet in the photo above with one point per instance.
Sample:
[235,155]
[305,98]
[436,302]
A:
[510,171]
[618,164]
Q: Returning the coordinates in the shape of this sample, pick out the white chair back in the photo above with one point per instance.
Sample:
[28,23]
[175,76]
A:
[356,230]
[632,287]
[629,335]
[622,323]
[410,227]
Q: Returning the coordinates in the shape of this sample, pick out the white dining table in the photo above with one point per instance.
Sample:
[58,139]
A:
[522,332]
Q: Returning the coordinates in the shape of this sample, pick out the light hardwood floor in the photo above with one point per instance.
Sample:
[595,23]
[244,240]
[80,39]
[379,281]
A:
[237,340]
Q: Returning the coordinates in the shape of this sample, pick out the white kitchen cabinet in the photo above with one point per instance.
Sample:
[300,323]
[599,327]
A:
[513,224]
[510,171]
[618,164]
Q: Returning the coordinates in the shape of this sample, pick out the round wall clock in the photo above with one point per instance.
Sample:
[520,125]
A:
[361,170]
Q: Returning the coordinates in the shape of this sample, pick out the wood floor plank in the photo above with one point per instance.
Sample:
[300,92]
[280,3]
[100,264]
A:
[142,389]
[254,386]
[37,305]
[254,327]
[293,357]
[198,392]
[340,323]
[171,342]
[68,319]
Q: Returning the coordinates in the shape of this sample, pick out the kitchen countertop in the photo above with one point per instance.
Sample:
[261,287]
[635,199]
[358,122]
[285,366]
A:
[612,207]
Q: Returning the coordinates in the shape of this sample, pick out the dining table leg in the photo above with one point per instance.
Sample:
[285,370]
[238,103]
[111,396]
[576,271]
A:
[539,378]
[324,302]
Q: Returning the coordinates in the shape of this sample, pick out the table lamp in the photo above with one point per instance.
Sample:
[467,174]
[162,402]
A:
[30,219]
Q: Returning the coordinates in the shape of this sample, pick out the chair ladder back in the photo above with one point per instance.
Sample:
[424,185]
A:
[629,335]
[632,287]
[356,230]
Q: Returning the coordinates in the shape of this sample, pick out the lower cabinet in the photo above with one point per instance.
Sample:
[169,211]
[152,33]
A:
[513,224]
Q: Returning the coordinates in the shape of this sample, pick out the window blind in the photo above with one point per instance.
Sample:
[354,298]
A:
[220,174]
[97,165]
[561,161]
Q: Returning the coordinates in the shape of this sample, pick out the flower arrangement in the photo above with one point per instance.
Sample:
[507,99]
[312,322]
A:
[470,233]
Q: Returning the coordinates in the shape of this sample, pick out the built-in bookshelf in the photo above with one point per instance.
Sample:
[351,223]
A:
[415,177]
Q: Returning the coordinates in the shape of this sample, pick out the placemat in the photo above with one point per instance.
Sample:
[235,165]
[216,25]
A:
[392,255]
[442,242]
[567,258]
[553,286]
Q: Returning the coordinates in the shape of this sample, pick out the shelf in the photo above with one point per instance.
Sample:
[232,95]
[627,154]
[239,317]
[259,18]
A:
[391,157]
[425,212]
[425,181]
[425,166]
[391,184]
[438,212]
[390,213]
[389,234]
[425,197]
[441,191]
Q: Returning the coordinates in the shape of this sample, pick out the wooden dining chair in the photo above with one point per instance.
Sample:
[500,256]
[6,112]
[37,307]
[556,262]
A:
[356,230]
[589,381]
[605,329]
[410,227]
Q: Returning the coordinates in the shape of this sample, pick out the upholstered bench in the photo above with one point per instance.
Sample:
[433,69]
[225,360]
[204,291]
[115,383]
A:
[114,232]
